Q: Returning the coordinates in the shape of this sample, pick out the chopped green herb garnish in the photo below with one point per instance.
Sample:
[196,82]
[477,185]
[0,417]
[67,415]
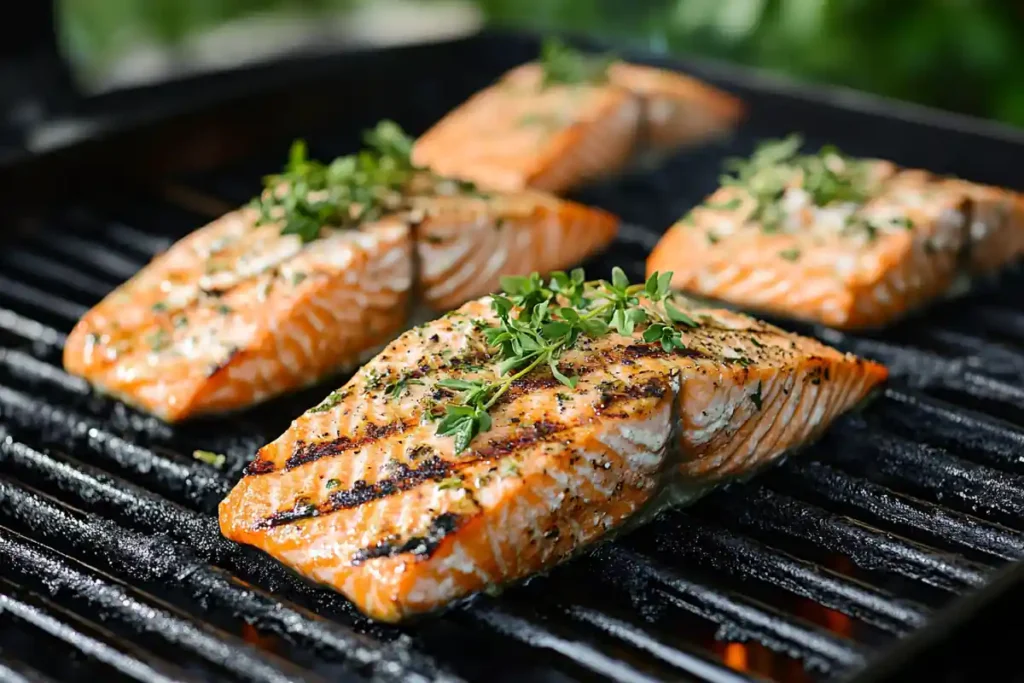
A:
[159,306]
[158,340]
[310,195]
[564,65]
[790,254]
[333,483]
[333,399]
[538,321]
[712,237]
[728,205]
[756,396]
[828,177]
[298,278]
[397,388]
[210,458]
[508,468]
[449,483]
[223,309]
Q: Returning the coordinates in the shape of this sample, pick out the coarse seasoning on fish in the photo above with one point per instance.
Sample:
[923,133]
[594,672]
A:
[313,278]
[569,118]
[851,243]
[498,440]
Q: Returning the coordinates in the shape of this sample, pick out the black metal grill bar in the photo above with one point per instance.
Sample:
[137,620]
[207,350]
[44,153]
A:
[140,244]
[583,654]
[157,562]
[42,569]
[182,479]
[97,256]
[1003,321]
[47,340]
[761,510]
[999,359]
[682,659]
[37,300]
[886,507]
[31,370]
[61,625]
[42,268]
[926,370]
[738,617]
[965,432]
[16,672]
[946,477]
[703,543]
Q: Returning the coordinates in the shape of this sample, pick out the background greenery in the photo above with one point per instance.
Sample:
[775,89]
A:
[962,55]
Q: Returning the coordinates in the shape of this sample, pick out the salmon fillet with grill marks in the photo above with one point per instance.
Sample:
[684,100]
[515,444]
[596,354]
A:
[862,259]
[236,312]
[521,132]
[363,495]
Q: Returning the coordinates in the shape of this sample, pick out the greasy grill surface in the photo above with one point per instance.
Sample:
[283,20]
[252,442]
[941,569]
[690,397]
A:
[112,567]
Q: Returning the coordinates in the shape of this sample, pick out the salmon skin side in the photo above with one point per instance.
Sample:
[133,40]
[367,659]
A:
[851,264]
[236,312]
[521,132]
[362,494]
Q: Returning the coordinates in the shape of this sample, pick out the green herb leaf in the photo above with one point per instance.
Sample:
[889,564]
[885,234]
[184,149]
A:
[790,254]
[333,399]
[449,483]
[309,196]
[563,65]
[210,458]
[728,205]
[775,166]
[538,322]
[677,316]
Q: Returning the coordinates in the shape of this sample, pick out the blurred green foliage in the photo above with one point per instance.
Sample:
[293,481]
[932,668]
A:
[962,55]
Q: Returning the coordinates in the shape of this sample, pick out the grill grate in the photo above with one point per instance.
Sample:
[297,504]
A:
[110,552]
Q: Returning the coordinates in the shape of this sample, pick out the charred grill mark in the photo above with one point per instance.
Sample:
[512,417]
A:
[421,547]
[306,453]
[539,431]
[258,467]
[632,352]
[302,509]
[613,392]
[403,479]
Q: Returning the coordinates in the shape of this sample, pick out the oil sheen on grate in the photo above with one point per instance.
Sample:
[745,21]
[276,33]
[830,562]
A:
[112,567]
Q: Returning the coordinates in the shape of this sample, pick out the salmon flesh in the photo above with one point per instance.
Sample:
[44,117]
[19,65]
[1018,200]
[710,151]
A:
[363,495]
[862,259]
[521,132]
[237,312]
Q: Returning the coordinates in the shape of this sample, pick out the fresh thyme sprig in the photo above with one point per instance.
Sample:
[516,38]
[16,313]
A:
[565,66]
[538,321]
[776,165]
[310,195]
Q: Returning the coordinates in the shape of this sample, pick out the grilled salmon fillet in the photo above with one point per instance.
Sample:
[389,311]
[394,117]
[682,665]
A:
[552,127]
[846,242]
[366,494]
[244,309]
